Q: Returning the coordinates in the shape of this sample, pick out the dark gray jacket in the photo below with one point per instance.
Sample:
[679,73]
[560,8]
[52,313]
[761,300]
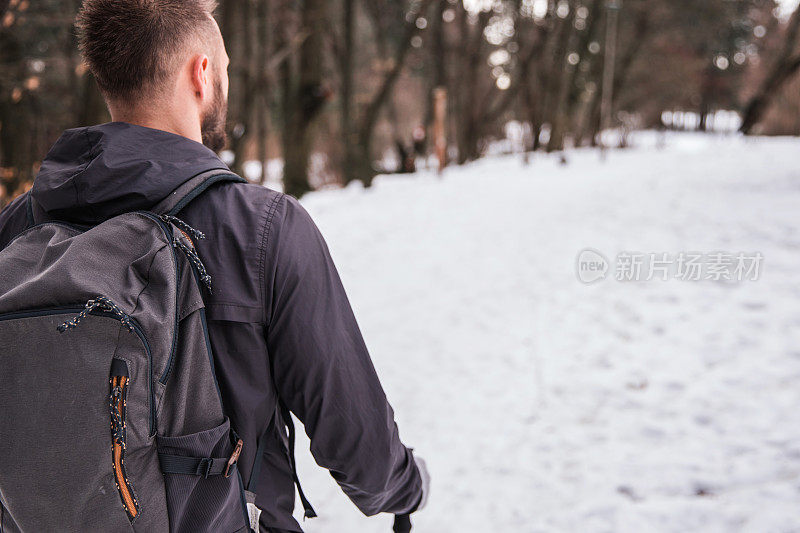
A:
[280,322]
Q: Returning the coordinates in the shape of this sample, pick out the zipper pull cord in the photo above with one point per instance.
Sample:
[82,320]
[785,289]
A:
[117,425]
[102,303]
[197,234]
[193,258]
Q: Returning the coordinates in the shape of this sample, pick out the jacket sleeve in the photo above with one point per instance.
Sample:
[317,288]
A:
[324,373]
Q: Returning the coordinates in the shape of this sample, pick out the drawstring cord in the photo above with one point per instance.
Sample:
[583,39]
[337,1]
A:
[102,303]
[197,234]
[190,252]
[117,425]
[205,277]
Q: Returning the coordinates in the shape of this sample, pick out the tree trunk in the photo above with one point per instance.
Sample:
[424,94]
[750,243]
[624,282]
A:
[561,116]
[438,76]
[306,102]
[522,78]
[265,86]
[590,34]
[247,67]
[470,130]
[559,75]
[349,135]
[363,169]
[785,66]
[641,34]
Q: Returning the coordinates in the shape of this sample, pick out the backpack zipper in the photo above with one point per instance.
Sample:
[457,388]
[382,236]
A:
[164,224]
[167,222]
[102,306]
[117,408]
[165,227]
[119,381]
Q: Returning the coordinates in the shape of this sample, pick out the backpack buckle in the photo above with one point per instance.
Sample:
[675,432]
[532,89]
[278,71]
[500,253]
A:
[204,468]
[234,458]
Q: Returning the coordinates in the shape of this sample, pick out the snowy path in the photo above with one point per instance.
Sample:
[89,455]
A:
[542,404]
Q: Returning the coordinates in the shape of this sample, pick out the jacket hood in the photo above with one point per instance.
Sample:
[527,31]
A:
[97,172]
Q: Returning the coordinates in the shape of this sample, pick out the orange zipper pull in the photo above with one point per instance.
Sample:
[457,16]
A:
[234,458]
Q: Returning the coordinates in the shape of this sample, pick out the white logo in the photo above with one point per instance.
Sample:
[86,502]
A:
[591,266]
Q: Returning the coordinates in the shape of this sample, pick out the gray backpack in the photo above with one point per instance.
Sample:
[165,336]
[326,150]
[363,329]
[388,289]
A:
[110,414]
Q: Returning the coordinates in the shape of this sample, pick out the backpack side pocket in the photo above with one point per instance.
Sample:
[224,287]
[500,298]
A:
[203,487]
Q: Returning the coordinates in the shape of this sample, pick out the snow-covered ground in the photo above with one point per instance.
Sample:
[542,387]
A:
[544,404]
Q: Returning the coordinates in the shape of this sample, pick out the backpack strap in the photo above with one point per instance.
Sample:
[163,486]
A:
[191,189]
[193,466]
[252,485]
[309,511]
[201,466]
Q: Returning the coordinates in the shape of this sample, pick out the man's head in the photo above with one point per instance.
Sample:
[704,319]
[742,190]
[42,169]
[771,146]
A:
[159,63]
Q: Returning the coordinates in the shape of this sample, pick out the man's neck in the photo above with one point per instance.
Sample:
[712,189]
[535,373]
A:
[157,121]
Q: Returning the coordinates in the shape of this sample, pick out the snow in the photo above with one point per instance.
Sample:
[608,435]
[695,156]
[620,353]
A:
[542,404]
[786,7]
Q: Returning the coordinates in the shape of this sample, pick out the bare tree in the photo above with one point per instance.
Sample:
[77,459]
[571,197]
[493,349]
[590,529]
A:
[629,53]
[347,60]
[304,100]
[562,72]
[532,37]
[361,153]
[263,110]
[785,66]
[469,113]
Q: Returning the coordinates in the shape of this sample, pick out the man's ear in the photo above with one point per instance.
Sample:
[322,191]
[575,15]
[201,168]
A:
[200,76]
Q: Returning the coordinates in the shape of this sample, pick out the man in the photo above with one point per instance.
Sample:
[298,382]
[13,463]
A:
[281,328]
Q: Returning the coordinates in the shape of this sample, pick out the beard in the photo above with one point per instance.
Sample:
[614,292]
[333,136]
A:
[212,126]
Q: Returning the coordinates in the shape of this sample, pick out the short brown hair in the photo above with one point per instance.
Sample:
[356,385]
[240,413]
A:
[133,45]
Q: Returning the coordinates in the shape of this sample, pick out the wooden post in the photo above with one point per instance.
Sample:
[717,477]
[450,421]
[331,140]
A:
[607,102]
[439,121]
